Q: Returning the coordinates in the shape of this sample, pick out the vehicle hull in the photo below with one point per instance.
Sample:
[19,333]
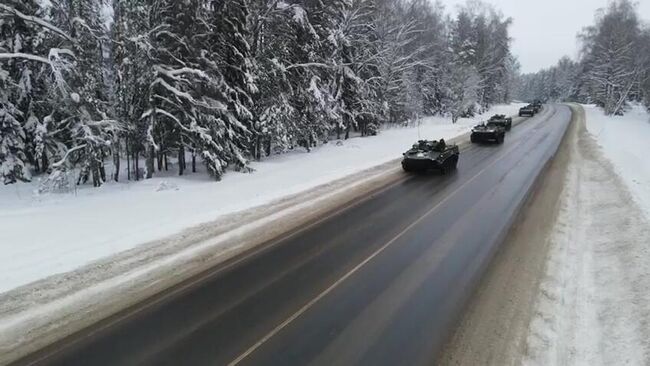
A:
[425,164]
[487,137]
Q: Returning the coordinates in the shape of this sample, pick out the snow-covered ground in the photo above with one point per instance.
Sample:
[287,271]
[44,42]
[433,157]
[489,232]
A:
[42,235]
[626,143]
[592,308]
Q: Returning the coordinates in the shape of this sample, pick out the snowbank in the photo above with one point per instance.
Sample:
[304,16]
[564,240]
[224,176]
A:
[626,143]
[592,308]
[49,234]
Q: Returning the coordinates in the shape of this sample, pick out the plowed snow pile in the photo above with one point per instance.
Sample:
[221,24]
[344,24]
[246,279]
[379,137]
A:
[593,307]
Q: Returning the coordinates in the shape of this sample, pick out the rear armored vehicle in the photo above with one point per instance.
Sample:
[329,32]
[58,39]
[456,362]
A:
[431,155]
[488,132]
[501,120]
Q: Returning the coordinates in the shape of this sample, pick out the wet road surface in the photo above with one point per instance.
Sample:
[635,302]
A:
[380,283]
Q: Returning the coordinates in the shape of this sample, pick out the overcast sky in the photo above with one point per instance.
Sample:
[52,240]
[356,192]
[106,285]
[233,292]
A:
[545,30]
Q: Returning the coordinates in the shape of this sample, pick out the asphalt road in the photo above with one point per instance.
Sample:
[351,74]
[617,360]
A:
[381,283]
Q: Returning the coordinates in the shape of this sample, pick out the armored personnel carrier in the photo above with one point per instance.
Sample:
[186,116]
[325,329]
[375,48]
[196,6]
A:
[502,120]
[488,132]
[431,155]
[528,110]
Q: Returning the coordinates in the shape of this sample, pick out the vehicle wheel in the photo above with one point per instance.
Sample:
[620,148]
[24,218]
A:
[443,169]
[472,139]
[502,139]
[454,163]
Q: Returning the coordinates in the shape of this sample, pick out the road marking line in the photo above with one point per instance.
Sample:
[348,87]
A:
[331,288]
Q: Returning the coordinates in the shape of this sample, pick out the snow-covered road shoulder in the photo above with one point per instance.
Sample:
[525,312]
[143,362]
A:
[625,141]
[592,307]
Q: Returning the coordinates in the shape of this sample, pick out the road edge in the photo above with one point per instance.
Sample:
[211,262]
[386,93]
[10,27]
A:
[493,327]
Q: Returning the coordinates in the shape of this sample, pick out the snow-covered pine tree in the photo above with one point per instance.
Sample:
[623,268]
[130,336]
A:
[645,62]
[316,77]
[190,98]
[19,41]
[296,100]
[13,162]
[273,25]
[462,81]
[395,34]
[229,47]
[133,68]
[430,46]
[361,20]
[351,35]
[174,100]
[611,59]
[480,39]
[84,110]
[54,98]
[614,67]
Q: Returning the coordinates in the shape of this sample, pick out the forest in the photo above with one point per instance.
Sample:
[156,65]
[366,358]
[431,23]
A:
[144,83]
[613,68]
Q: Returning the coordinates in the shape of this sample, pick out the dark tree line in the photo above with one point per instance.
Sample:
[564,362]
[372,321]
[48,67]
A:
[613,69]
[166,84]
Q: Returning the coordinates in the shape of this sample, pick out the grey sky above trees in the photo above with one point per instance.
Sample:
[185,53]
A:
[545,30]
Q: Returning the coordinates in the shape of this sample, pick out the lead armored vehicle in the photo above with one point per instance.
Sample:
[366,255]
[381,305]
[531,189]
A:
[488,132]
[431,155]
[502,120]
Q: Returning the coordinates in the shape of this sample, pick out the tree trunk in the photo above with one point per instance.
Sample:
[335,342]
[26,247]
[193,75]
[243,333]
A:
[150,158]
[136,165]
[165,161]
[102,171]
[95,174]
[45,164]
[181,160]
[193,161]
[258,147]
[128,160]
[116,162]
[159,157]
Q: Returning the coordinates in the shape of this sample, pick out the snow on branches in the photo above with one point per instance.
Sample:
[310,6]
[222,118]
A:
[223,82]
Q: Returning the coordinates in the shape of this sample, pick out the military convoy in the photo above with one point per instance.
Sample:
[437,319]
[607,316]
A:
[437,155]
[431,155]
